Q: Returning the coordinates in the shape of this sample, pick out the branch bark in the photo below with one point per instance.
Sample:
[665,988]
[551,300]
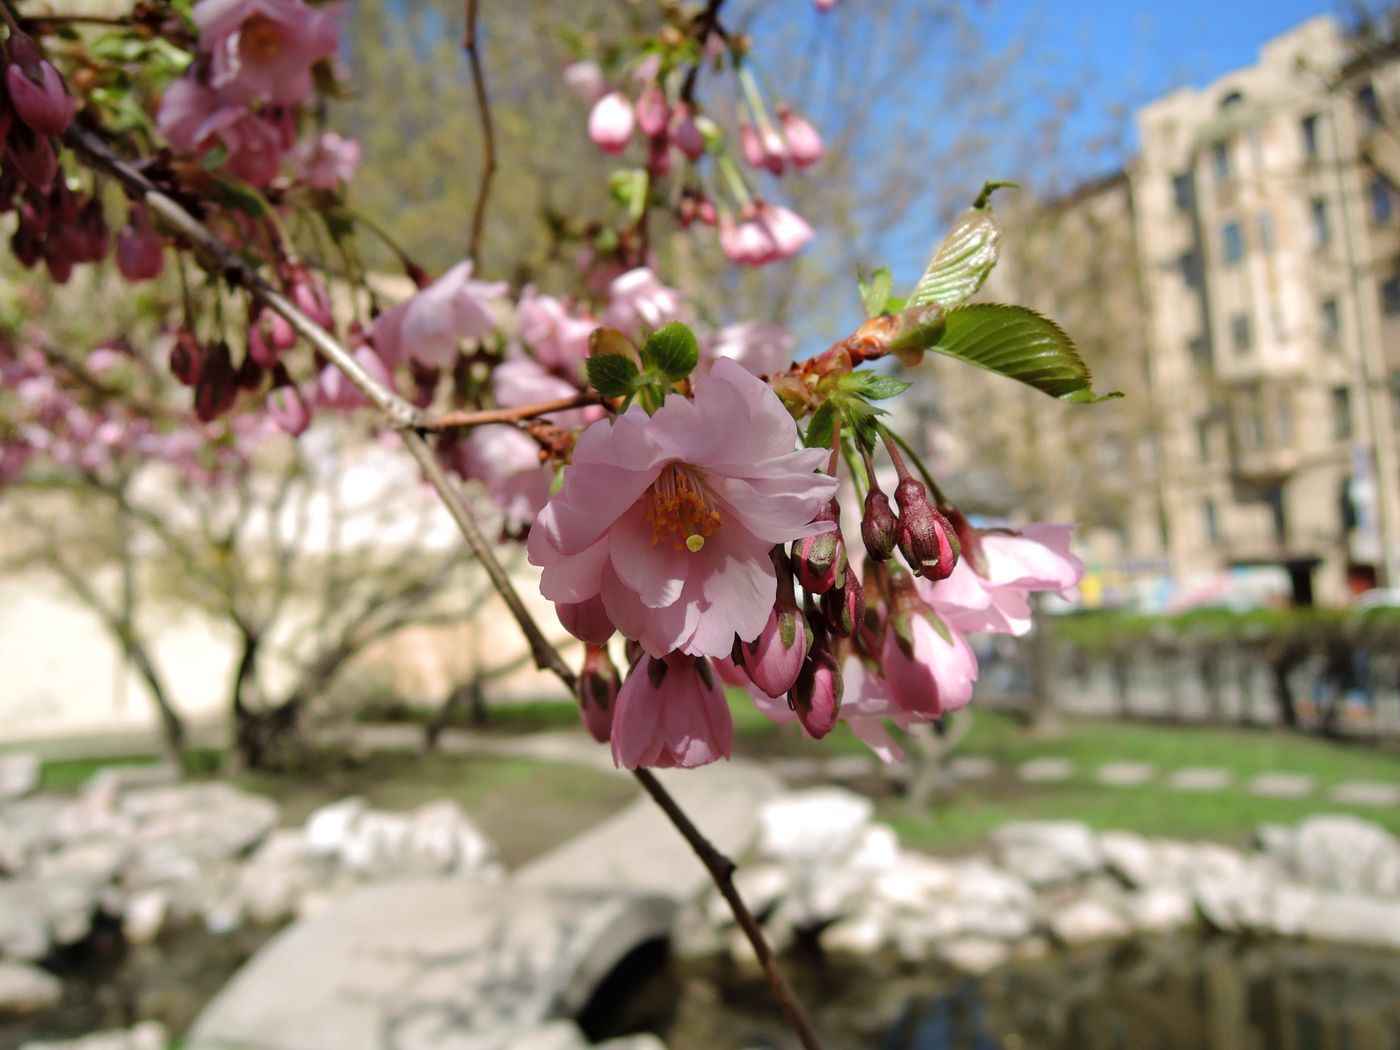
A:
[408,419]
[488,135]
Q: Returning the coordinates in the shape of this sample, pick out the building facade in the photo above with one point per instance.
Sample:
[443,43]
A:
[1240,282]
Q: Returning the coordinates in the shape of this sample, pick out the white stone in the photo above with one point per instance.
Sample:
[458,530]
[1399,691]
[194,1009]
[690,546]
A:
[556,1035]
[1200,778]
[435,839]
[1365,793]
[1160,909]
[19,774]
[1345,853]
[971,767]
[145,916]
[821,823]
[1045,770]
[26,989]
[974,955]
[1044,852]
[1125,774]
[27,826]
[1354,919]
[641,1041]
[915,882]
[213,821]
[862,934]
[878,850]
[1282,785]
[1088,920]
[148,1035]
[97,861]
[38,913]
[107,783]
[1132,857]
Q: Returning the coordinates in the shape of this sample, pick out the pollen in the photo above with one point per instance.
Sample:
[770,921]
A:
[680,510]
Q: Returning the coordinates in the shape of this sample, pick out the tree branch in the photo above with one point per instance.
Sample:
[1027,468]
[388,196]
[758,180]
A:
[488,135]
[407,418]
[481,417]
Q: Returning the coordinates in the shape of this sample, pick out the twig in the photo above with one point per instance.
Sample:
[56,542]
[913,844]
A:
[481,417]
[706,22]
[408,419]
[488,135]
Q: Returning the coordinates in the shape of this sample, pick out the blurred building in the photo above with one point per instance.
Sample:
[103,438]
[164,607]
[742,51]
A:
[1240,282]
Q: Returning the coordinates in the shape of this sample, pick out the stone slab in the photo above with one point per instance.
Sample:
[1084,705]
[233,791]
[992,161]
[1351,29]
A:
[971,767]
[1125,774]
[1282,785]
[1045,770]
[1200,778]
[1365,793]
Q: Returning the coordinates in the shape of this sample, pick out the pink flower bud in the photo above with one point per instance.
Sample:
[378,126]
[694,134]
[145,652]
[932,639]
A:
[685,133]
[259,349]
[751,145]
[94,237]
[280,332]
[820,560]
[587,621]
[803,143]
[288,409]
[878,526]
[789,231]
[775,153]
[843,608]
[926,540]
[816,695]
[186,357]
[748,243]
[596,690]
[140,250]
[32,156]
[773,659]
[610,124]
[37,92]
[585,79]
[652,111]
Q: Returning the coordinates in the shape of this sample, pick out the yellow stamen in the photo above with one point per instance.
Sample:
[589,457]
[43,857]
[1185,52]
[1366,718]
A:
[260,39]
[680,508]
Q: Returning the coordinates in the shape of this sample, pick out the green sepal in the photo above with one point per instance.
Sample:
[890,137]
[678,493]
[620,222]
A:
[612,375]
[820,430]
[672,350]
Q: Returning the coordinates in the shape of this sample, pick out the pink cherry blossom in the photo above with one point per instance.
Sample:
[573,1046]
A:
[931,669]
[803,143]
[37,92]
[747,243]
[771,661]
[685,133]
[1036,557]
[789,230]
[263,50]
[585,79]
[638,301]
[140,249]
[194,118]
[587,621]
[671,712]
[334,388]
[611,121]
[670,517]
[288,409]
[430,327]
[760,346]
[327,160]
[558,337]
[507,462]
[652,111]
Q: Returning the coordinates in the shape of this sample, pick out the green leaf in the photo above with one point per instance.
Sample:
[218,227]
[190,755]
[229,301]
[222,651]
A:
[612,375]
[875,293]
[962,262]
[873,386]
[861,419]
[1019,343]
[672,350]
[819,430]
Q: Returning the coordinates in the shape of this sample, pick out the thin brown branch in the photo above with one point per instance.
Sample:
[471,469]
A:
[488,135]
[706,22]
[481,417]
[407,419]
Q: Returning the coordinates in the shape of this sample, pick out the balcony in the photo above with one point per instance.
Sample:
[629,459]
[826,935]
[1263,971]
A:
[1264,466]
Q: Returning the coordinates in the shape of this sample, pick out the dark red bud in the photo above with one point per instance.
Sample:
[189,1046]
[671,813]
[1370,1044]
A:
[843,607]
[926,539]
[816,695]
[878,526]
[186,357]
[820,560]
[217,388]
[598,684]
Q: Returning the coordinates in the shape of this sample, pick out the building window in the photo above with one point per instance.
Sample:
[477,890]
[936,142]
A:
[1274,499]
[1390,295]
[1212,519]
[1203,440]
[1266,231]
[1285,418]
[1322,231]
[1234,242]
[1190,269]
[1220,161]
[1382,208]
[1256,420]
[1239,333]
[1200,354]
[1341,413]
[1395,396]
[1309,127]
[1370,106]
[1329,320]
[1182,191]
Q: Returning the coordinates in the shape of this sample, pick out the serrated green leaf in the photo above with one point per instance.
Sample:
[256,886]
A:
[612,375]
[672,350]
[962,262]
[875,293]
[861,418]
[873,386]
[819,430]
[1021,344]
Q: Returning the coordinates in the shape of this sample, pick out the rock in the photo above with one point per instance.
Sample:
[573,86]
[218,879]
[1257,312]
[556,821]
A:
[1045,770]
[878,850]
[435,839]
[987,902]
[27,826]
[19,774]
[862,934]
[1200,778]
[1365,793]
[279,874]
[24,932]
[1160,909]
[780,939]
[642,1041]
[328,829]
[212,821]
[1125,774]
[36,914]
[96,861]
[26,989]
[822,823]
[1087,920]
[971,767]
[148,1035]
[1351,918]
[145,916]
[974,955]
[760,885]
[1130,856]
[915,882]
[109,782]
[1344,853]
[556,1035]
[1282,785]
[1044,852]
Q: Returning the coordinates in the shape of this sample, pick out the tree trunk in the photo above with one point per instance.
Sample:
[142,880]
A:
[172,726]
[1040,670]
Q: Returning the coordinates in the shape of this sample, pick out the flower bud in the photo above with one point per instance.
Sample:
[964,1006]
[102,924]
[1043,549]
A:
[878,525]
[37,92]
[287,408]
[259,349]
[685,133]
[186,357]
[843,608]
[652,111]
[816,695]
[773,659]
[596,690]
[32,156]
[140,250]
[610,122]
[586,620]
[94,237]
[925,538]
[821,559]
[217,387]
[804,145]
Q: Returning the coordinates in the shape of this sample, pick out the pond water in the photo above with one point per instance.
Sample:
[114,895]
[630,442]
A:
[1164,994]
